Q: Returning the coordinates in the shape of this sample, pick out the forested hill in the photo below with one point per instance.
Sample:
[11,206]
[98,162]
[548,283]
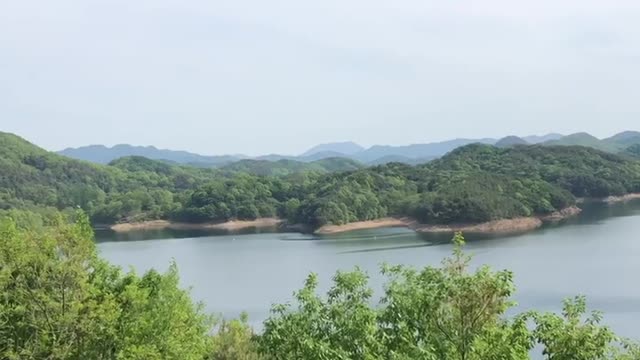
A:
[584,171]
[474,183]
[632,151]
[287,167]
[103,155]
[614,144]
[31,177]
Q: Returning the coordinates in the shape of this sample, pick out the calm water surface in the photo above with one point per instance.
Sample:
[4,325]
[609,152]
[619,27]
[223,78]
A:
[596,255]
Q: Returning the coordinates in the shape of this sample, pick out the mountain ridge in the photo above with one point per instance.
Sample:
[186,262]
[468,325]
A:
[375,155]
[342,147]
[509,141]
[102,154]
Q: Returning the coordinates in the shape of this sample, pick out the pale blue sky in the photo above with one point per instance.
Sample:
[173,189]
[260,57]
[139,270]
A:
[251,76]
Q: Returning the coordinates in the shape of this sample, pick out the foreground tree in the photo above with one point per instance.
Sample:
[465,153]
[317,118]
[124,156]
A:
[342,326]
[234,340]
[433,313]
[576,335]
[59,301]
[447,313]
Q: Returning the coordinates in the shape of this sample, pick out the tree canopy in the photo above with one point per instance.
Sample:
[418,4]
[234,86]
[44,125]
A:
[474,183]
[433,313]
[60,301]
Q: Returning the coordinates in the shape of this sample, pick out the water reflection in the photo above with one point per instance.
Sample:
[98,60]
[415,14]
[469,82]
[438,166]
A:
[386,248]
[106,235]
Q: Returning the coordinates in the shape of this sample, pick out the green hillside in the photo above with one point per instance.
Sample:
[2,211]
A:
[338,164]
[287,167]
[632,151]
[130,187]
[510,141]
[581,139]
[623,140]
[474,183]
[584,171]
[613,144]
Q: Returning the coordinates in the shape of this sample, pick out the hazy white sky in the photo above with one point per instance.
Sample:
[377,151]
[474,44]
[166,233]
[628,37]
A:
[253,76]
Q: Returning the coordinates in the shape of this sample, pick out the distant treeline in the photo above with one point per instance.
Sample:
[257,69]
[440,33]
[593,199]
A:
[475,183]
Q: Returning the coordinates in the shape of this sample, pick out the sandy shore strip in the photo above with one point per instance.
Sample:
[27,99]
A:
[494,227]
[362,225]
[562,214]
[521,224]
[497,226]
[233,225]
[623,198]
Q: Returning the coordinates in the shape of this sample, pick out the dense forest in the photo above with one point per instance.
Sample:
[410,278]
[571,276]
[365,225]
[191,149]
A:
[287,167]
[474,183]
[614,144]
[61,301]
[632,151]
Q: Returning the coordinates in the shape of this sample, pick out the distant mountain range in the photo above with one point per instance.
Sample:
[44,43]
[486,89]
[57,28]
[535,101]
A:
[511,141]
[535,139]
[415,151]
[615,144]
[103,155]
[287,167]
[345,148]
[376,155]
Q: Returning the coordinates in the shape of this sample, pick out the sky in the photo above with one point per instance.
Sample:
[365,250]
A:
[278,76]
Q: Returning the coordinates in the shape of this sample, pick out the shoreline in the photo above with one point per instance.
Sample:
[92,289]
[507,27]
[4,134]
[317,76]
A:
[362,225]
[521,224]
[613,199]
[623,198]
[233,225]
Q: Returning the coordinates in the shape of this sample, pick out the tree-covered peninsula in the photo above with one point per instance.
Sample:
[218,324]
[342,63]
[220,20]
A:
[472,184]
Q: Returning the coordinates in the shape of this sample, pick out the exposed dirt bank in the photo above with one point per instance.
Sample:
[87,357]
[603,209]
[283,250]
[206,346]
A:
[361,225]
[497,226]
[229,225]
[623,198]
[562,214]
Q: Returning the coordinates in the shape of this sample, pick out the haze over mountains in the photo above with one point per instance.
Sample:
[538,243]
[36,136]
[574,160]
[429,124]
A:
[378,154]
[511,141]
[345,148]
[103,155]
[615,143]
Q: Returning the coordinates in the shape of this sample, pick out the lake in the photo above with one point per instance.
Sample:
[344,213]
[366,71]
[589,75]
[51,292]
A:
[596,254]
